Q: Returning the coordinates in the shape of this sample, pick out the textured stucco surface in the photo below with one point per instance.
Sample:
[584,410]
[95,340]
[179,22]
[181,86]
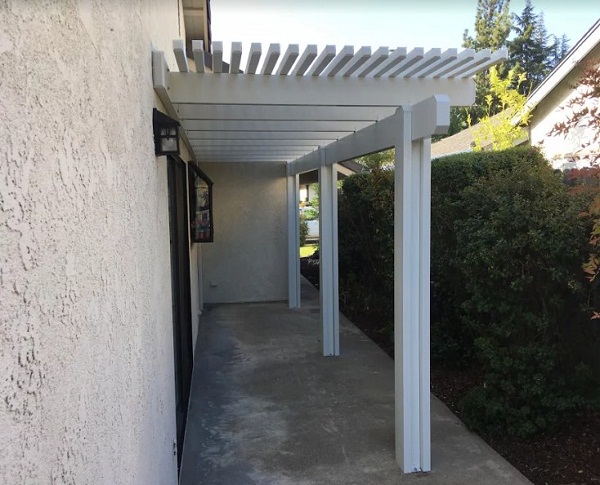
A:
[247,261]
[86,343]
[552,109]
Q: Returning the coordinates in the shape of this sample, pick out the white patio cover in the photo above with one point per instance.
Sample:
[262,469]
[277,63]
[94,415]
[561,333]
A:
[312,110]
[282,104]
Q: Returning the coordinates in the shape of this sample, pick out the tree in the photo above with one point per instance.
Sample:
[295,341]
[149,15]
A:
[492,25]
[378,161]
[502,130]
[492,28]
[532,51]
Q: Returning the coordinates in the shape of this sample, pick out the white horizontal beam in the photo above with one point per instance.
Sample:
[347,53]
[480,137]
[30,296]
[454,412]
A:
[254,143]
[269,125]
[241,158]
[314,90]
[376,137]
[266,113]
[264,135]
[430,116]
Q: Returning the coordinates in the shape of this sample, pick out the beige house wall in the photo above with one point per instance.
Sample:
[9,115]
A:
[248,259]
[86,342]
[553,109]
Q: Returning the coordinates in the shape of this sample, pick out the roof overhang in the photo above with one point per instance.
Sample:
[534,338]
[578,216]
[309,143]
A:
[284,106]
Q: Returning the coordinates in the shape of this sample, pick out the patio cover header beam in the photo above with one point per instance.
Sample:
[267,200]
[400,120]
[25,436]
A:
[430,117]
[249,89]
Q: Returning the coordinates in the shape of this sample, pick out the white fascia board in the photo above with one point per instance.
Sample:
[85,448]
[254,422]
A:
[314,90]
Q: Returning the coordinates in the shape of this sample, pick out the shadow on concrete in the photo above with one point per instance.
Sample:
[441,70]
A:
[267,408]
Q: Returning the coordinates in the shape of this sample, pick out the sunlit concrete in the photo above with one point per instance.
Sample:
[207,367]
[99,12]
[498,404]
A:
[268,408]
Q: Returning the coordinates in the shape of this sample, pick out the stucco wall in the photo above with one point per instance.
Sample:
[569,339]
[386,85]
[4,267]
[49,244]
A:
[86,344]
[247,261]
[552,109]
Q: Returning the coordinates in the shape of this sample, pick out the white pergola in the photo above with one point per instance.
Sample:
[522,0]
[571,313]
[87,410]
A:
[313,110]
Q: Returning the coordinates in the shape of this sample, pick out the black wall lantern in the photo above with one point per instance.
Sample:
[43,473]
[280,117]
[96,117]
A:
[166,134]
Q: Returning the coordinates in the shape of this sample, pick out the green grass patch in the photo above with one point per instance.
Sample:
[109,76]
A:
[308,250]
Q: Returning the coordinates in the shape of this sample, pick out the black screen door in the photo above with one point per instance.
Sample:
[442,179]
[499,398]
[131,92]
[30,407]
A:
[180,285]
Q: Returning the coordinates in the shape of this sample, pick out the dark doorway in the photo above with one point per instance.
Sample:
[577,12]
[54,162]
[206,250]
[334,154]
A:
[180,286]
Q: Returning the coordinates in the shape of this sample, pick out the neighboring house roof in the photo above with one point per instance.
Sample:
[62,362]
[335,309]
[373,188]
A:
[458,143]
[463,141]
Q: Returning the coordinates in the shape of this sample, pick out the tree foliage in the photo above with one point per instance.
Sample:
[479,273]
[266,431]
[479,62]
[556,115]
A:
[506,287]
[492,25]
[502,130]
[533,51]
[378,161]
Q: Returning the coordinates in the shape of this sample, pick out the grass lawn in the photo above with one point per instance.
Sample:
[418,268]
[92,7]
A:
[308,250]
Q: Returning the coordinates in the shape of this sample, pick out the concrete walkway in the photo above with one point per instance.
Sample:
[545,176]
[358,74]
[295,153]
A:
[267,408]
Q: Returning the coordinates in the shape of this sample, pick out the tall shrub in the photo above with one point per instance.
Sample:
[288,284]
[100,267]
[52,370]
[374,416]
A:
[366,242]
[518,245]
[506,253]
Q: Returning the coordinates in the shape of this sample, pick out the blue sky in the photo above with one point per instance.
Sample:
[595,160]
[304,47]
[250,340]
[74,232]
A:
[392,23]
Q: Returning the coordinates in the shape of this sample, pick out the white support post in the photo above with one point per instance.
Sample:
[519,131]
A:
[328,252]
[411,294]
[293,242]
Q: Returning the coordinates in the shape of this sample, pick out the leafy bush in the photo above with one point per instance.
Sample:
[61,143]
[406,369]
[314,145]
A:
[518,244]
[366,244]
[303,230]
[507,286]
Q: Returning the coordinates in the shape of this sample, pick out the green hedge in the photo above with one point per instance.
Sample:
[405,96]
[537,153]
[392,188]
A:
[506,253]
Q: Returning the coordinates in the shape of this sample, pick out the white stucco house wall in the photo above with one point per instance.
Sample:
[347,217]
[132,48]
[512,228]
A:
[87,380]
[101,285]
[548,105]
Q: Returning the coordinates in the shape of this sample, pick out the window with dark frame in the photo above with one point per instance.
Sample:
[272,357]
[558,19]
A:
[201,214]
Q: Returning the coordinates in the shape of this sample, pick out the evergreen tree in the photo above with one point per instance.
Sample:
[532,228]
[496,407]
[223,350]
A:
[492,28]
[532,51]
[492,25]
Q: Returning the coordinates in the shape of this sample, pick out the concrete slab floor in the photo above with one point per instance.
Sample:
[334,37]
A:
[267,408]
